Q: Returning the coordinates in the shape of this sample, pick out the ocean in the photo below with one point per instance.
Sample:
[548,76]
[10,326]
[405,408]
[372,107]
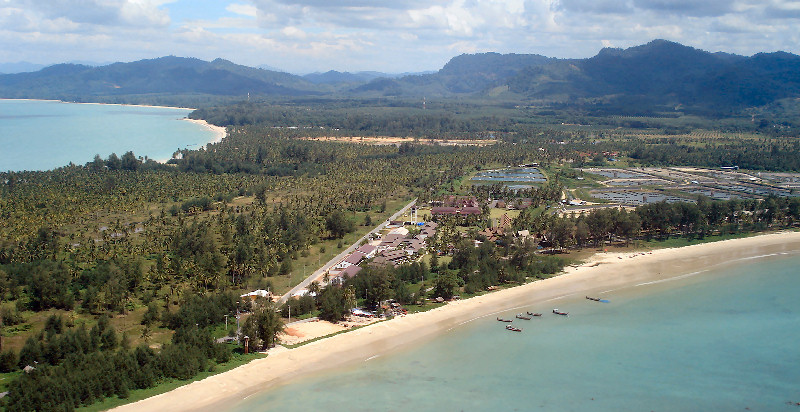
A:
[725,339]
[42,135]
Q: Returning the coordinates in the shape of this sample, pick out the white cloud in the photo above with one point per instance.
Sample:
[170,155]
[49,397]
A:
[243,9]
[293,32]
[83,16]
[401,35]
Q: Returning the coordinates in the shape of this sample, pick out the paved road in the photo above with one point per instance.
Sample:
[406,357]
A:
[341,256]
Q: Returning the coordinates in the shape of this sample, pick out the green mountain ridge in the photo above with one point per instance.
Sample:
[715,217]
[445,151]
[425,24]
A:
[166,75]
[660,74]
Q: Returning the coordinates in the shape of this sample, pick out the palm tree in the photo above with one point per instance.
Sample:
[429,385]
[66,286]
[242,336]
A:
[314,289]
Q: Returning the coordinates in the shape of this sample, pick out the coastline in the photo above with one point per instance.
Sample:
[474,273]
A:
[219,131]
[603,273]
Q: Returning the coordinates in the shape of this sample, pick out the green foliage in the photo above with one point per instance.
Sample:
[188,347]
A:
[333,303]
[201,311]
[76,367]
[299,306]
[10,317]
[152,315]
[8,361]
[445,284]
[374,285]
[339,224]
[263,326]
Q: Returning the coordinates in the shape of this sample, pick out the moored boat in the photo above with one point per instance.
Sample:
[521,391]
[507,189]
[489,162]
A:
[513,329]
[504,320]
[594,299]
[534,314]
[558,312]
[520,316]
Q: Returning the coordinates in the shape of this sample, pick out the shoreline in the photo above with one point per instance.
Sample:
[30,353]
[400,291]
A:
[603,273]
[219,131]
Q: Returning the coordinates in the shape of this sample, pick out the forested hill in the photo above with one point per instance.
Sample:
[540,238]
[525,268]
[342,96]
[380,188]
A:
[665,73]
[660,75]
[165,75]
[462,75]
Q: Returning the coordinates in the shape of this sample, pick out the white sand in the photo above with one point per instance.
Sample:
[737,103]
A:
[603,273]
[219,131]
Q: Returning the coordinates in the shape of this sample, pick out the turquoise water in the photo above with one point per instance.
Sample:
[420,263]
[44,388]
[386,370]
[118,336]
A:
[42,135]
[709,342]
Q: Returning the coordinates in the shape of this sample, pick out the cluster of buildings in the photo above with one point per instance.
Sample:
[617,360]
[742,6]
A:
[398,246]
[492,234]
[456,205]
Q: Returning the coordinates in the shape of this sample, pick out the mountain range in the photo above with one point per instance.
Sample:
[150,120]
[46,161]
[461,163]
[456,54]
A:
[660,73]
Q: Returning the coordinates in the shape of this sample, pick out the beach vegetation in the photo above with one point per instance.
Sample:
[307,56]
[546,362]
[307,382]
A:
[262,326]
[75,366]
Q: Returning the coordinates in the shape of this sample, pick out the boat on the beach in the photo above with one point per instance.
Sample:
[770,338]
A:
[513,329]
[558,312]
[534,314]
[521,316]
[504,320]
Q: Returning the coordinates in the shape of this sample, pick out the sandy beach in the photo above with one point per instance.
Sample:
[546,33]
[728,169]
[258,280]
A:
[604,273]
[219,131]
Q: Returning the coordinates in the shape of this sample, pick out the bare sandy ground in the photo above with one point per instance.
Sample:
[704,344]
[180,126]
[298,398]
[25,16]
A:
[602,274]
[301,332]
[304,331]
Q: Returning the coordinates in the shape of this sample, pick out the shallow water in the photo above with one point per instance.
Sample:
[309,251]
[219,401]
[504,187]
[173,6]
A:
[42,135]
[712,340]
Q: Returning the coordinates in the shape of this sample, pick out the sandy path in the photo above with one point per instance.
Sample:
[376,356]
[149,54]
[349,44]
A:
[603,272]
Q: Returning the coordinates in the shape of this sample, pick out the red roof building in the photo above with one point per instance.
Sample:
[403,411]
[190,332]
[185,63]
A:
[444,210]
[350,272]
[470,211]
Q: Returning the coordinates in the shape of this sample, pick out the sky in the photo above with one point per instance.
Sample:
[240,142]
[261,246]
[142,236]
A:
[396,36]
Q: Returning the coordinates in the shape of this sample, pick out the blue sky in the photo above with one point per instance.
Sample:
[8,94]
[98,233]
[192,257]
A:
[302,36]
